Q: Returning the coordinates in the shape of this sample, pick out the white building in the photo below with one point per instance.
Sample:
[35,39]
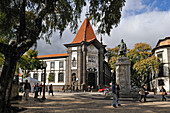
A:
[162,50]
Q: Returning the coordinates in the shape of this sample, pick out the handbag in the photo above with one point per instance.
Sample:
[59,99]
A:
[165,93]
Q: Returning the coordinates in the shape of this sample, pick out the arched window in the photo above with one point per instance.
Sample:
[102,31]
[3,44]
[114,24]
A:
[73,77]
[61,77]
[74,62]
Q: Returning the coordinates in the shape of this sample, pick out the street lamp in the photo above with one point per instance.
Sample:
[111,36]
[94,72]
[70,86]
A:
[44,65]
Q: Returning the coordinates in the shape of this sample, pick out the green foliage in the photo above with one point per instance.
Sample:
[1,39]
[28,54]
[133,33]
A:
[139,52]
[151,64]
[2,59]
[50,79]
[141,62]
[29,61]
[113,55]
[108,12]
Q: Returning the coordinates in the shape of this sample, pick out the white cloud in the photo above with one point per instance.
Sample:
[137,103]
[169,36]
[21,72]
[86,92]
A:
[132,6]
[146,28]
[56,43]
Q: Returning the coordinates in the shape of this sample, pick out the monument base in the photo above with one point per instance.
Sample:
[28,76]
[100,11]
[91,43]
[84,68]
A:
[123,75]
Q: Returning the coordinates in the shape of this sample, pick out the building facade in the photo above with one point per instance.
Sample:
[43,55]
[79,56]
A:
[162,50]
[81,67]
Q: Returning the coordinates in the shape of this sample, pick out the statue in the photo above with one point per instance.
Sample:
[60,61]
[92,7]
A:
[122,48]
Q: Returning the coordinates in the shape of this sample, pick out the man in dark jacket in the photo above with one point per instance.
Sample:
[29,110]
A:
[114,92]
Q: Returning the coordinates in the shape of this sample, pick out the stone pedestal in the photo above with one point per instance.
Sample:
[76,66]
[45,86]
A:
[123,76]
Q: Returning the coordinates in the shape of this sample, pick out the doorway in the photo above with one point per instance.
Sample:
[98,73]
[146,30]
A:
[92,80]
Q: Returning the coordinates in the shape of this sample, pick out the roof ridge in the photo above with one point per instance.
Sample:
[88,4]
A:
[85,33]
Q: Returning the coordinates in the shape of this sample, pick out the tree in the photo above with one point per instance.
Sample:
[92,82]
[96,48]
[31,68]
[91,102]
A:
[23,22]
[151,64]
[140,52]
[146,67]
[29,61]
[113,55]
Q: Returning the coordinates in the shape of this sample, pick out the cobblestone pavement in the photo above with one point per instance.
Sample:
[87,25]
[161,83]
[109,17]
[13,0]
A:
[89,103]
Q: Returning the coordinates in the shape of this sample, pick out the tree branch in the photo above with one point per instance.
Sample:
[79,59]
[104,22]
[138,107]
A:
[34,33]
[22,20]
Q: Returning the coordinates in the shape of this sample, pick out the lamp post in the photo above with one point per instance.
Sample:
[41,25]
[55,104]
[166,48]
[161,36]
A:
[44,67]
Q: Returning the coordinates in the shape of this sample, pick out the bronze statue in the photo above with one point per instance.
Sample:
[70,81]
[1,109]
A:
[122,48]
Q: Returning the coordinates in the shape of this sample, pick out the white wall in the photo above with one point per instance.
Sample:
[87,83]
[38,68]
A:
[56,70]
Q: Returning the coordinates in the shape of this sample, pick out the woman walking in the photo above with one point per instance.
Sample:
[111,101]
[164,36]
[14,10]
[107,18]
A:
[143,93]
[163,92]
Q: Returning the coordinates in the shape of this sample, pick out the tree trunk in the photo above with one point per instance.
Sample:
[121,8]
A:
[6,80]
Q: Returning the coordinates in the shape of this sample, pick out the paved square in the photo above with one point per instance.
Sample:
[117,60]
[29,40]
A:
[89,103]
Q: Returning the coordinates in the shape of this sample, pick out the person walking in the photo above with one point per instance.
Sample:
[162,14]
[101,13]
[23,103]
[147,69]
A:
[27,89]
[143,93]
[36,88]
[51,89]
[114,92]
[163,93]
[40,88]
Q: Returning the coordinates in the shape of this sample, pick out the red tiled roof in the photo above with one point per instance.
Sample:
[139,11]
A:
[85,28]
[52,55]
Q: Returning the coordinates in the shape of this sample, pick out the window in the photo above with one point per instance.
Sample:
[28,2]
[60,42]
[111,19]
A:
[61,64]
[74,62]
[92,59]
[160,70]
[160,57]
[52,64]
[42,77]
[51,77]
[161,82]
[35,76]
[61,77]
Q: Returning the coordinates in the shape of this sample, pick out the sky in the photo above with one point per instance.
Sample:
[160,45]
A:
[144,21]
